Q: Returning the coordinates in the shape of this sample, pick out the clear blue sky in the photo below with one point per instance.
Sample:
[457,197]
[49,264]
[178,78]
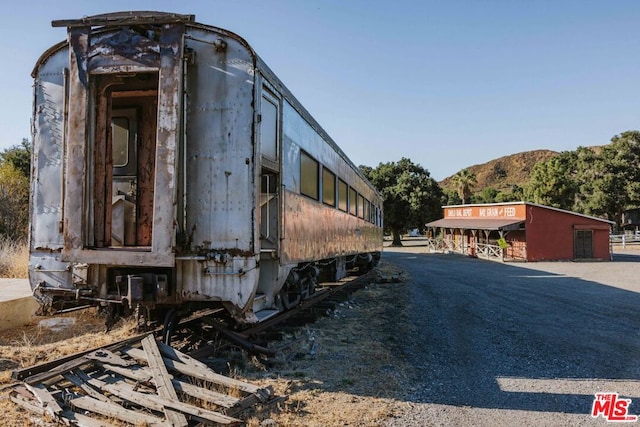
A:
[448,84]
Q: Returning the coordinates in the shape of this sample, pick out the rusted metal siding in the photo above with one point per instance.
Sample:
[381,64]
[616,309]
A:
[168,134]
[314,231]
[76,143]
[231,279]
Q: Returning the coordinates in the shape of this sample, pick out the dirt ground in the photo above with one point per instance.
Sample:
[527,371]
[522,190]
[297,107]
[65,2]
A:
[340,370]
[421,351]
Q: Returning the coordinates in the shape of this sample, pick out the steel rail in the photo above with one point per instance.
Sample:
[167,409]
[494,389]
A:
[238,338]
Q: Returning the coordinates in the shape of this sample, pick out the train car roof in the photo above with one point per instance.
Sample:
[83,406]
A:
[106,20]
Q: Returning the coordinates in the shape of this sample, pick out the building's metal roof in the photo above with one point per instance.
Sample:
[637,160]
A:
[477,224]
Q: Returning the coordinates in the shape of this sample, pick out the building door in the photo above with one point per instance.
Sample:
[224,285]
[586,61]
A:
[583,244]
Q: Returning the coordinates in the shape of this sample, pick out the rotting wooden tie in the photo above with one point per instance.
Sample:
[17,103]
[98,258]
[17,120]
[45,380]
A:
[140,381]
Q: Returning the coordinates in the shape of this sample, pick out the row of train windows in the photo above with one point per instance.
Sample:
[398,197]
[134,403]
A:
[347,200]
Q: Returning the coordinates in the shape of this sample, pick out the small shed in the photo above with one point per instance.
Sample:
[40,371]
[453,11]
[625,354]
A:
[520,231]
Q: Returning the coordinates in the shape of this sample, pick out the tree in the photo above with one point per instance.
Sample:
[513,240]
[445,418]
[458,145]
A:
[553,182]
[450,197]
[14,191]
[601,182]
[19,156]
[411,197]
[14,202]
[464,181]
[611,180]
[516,195]
[487,195]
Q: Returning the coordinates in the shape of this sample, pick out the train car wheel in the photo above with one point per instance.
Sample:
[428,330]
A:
[169,326]
[289,299]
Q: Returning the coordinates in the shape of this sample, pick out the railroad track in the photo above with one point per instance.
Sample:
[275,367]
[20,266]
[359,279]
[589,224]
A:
[143,379]
[244,337]
[241,338]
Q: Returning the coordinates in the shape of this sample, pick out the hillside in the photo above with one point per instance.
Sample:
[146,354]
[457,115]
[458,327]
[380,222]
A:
[504,172]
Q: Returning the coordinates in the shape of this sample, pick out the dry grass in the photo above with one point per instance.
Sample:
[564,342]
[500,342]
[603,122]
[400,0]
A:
[14,258]
[340,370]
[343,369]
[34,344]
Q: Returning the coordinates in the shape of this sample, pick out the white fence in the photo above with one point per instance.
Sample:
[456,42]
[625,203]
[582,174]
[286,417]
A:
[625,239]
[489,251]
[482,250]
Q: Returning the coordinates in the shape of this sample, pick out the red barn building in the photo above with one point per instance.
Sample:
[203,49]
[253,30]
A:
[521,231]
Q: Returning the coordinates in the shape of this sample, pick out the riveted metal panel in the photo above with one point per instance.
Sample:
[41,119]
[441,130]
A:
[220,160]
[48,152]
[232,279]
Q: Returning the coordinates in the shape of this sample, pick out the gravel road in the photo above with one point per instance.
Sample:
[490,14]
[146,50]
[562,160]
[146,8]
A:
[516,344]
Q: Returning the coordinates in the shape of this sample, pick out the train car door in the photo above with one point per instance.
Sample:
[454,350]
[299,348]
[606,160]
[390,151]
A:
[124,160]
[272,274]
[270,179]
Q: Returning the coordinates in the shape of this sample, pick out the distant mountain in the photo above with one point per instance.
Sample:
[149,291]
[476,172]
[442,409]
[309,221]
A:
[504,172]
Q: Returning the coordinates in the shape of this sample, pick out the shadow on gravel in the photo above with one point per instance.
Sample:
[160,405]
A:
[626,258]
[491,335]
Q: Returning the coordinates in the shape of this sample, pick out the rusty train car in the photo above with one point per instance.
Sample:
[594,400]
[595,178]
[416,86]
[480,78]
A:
[173,170]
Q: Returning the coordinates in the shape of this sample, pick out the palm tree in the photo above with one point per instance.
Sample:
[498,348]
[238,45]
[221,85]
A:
[464,180]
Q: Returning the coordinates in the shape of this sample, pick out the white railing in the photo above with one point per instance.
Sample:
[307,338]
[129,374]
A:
[625,239]
[437,245]
[482,250]
[487,251]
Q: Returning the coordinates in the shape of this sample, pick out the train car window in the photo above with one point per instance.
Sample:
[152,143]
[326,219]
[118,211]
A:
[269,128]
[342,195]
[360,206]
[120,141]
[353,202]
[367,210]
[309,169]
[328,187]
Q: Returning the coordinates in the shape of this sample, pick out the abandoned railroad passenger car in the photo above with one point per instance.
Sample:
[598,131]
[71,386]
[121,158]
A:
[171,167]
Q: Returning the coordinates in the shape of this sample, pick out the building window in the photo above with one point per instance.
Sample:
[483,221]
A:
[328,187]
[309,176]
[343,195]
